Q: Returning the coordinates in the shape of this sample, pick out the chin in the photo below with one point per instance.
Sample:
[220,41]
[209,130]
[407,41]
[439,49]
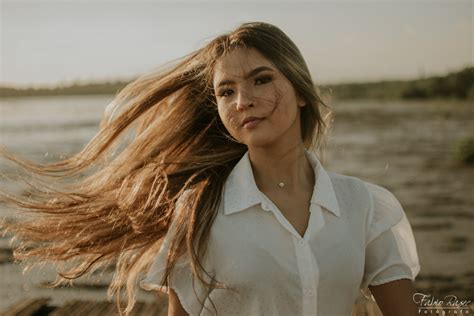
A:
[259,142]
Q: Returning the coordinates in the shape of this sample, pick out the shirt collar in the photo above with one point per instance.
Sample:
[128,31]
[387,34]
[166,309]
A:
[241,191]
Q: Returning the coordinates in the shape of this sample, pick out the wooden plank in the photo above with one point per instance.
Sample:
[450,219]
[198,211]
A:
[76,308]
[155,309]
[36,306]
[103,308]
[90,308]
[27,307]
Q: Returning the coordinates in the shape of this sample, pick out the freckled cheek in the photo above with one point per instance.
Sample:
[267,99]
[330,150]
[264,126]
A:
[285,106]
[229,119]
[233,121]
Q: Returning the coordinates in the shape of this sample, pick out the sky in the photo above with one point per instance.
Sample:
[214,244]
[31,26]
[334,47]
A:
[53,42]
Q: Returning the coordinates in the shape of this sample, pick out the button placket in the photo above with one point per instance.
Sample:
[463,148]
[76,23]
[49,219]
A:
[307,276]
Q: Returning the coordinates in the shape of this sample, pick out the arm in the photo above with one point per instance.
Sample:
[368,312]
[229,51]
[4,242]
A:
[395,297]
[174,305]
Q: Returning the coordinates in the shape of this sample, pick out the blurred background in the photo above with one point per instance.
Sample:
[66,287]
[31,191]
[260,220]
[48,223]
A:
[398,74]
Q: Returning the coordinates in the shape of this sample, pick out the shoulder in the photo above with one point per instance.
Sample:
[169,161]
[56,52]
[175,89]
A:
[381,194]
[385,212]
[352,192]
[351,187]
[381,205]
[343,181]
[381,208]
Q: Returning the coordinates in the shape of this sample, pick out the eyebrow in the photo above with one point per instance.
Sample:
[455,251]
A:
[250,74]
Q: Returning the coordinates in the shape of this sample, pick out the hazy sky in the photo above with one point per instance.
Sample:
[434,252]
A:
[47,42]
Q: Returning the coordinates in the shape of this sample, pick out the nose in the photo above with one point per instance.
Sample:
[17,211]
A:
[244,99]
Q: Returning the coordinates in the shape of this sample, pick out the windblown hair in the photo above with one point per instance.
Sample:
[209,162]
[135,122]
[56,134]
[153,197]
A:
[99,208]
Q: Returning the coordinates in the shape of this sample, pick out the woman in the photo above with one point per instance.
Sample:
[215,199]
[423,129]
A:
[219,197]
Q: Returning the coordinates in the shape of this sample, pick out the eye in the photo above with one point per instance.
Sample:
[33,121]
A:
[223,93]
[259,81]
[263,79]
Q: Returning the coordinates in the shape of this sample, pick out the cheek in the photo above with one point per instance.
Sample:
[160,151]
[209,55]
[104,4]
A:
[229,119]
[285,112]
[284,107]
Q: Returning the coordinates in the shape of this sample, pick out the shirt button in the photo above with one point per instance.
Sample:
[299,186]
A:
[309,293]
[301,242]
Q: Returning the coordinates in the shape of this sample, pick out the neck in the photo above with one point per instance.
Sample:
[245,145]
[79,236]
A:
[290,166]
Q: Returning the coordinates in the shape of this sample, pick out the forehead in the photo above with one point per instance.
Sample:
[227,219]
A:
[237,63]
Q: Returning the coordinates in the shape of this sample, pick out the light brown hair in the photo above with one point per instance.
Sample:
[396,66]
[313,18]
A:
[99,208]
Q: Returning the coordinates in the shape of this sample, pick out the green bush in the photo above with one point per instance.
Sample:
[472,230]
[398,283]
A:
[465,150]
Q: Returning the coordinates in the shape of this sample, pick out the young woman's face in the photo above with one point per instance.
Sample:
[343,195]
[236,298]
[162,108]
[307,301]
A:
[247,84]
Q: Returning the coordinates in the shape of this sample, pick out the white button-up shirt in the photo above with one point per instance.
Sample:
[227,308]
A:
[357,235]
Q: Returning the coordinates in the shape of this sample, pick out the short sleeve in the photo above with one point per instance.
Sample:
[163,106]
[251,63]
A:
[180,278]
[390,245]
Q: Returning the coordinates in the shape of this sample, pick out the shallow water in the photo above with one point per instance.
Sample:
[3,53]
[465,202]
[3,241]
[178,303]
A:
[44,129]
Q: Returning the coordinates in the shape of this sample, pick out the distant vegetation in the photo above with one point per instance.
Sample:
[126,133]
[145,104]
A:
[107,88]
[457,85]
[465,150]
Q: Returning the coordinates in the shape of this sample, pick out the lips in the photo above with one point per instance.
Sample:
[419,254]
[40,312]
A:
[251,118]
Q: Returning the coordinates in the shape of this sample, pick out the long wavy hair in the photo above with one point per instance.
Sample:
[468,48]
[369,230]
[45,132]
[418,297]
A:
[112,203]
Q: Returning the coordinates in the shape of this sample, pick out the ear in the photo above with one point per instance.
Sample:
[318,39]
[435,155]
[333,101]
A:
[300,101]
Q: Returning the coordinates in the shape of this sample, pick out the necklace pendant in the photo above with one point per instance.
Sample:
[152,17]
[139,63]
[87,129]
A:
[281,184]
